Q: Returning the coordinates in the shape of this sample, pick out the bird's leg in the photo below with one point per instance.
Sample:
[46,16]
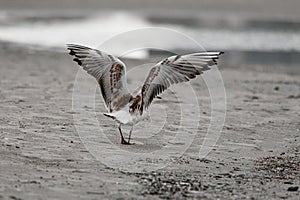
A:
[130,134]
[122,138]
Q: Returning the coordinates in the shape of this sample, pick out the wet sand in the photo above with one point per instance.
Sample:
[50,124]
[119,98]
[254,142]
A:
[42,156]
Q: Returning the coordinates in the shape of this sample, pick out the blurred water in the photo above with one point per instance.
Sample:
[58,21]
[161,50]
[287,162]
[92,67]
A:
[56,31]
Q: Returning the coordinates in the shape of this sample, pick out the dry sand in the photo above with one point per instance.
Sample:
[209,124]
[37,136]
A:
[42,157]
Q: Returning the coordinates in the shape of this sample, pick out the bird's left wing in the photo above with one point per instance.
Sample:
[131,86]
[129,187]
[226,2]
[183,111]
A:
[175,69]
[109,72]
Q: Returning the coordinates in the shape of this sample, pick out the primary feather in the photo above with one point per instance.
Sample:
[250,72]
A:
[175,69]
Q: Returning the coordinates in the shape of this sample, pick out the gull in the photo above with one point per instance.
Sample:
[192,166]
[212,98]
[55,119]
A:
[110,73]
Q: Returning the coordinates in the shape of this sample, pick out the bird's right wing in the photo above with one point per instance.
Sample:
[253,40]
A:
[108,70]
[175,69]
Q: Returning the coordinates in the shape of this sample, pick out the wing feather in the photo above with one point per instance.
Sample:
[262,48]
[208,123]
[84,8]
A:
[173,70]
[109,72]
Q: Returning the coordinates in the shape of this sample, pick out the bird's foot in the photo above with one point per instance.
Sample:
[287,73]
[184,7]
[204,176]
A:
[125,142]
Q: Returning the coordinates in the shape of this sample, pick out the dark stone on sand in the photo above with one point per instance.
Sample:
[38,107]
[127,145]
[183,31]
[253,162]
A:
[293,189]
[294,96]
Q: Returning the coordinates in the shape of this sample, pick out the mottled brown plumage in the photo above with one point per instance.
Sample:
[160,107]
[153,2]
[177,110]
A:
[119,102]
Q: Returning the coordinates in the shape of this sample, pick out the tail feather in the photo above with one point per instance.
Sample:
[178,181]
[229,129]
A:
[108,115]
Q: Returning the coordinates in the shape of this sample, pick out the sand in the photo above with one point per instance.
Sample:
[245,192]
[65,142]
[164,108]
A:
[42,156]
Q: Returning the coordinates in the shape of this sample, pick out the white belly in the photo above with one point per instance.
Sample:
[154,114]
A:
[123,116]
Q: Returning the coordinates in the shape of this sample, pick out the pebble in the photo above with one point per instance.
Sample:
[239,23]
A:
[293,189]
[288,182]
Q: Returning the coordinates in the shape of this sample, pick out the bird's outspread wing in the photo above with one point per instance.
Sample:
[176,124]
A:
[109,72]
[175,69]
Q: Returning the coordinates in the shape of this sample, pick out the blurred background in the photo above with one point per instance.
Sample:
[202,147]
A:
[42,154]
[254,32]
